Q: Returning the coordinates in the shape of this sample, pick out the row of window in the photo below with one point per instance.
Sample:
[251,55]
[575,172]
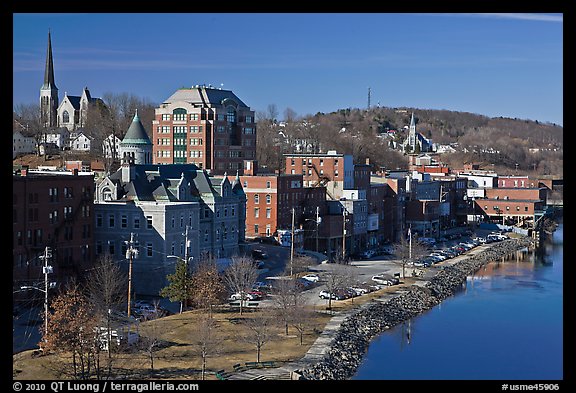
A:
[179,153]
[65,255]
[53,216]
[268,229]
[123,221]
[181,115]
[257,212]
[257,199]
[34,237]
[178,129]
[231,165]
[496,208]
[182,219]
[53,195]
[223,234]
[293,172]
[293,161]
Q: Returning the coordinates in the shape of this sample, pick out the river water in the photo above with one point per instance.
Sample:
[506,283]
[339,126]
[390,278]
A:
[505,324]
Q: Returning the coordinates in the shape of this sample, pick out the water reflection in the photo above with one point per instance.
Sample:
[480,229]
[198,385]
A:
[501,307]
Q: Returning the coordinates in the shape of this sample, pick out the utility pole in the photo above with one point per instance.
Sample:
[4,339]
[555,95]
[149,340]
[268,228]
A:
[131,253]
[410,244]
[186,245]
[292,243]
[317,224]
[46,270]
[343,233]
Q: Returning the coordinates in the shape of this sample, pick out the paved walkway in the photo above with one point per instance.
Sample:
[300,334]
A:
[322,343]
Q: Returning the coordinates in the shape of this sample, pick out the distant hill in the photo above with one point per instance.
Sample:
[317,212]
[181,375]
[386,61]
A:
[524,146]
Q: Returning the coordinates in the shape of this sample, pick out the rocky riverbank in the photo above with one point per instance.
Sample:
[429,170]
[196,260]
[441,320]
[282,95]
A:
[354,335]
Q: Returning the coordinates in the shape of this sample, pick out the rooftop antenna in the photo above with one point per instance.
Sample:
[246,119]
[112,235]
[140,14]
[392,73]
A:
[368,98]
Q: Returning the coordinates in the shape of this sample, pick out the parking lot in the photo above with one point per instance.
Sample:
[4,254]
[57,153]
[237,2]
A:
[387,265]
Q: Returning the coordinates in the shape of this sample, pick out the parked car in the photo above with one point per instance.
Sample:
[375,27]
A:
[359,290]
[327,295]
[368,254]
[266,240]
[262,286]
[259,254]
[303,283]
[385,279]
[146,311]
[259,264]
[242,296]
[256,295]
[313,277]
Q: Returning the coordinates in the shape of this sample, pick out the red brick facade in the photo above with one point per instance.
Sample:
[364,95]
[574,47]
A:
[271,198]
[217,136]
[53,210]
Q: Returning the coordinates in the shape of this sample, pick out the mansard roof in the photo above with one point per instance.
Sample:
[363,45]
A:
[206,96]
[155,182]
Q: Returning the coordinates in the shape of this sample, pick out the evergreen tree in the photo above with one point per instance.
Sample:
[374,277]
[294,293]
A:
[180,287]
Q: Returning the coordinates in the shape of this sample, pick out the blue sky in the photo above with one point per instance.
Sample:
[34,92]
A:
[507,65]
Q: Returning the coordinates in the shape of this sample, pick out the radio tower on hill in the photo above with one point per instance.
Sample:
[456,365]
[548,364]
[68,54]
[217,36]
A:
[368,98]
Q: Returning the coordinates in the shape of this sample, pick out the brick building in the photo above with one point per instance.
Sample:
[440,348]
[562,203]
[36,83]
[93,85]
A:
[211,128]
[271,198]
[512,205]
[332,170]
[51,209]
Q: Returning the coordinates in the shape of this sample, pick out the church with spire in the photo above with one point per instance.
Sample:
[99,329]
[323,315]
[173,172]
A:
[72,111]
[49,92]
[416,143]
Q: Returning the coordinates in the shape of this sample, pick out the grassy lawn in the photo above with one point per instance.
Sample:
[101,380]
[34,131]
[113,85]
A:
[178,356]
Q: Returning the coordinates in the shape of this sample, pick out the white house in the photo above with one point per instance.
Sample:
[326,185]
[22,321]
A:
[22,144]
[80,141]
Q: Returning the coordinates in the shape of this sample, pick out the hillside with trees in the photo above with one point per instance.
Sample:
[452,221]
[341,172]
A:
[504,144]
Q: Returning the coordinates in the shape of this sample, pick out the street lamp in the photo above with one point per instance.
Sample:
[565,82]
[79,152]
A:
[46,269]
[52,285]
[344,220]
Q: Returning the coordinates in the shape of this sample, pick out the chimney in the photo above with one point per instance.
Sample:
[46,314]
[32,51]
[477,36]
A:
[24,170]
[367,160]
[128,169]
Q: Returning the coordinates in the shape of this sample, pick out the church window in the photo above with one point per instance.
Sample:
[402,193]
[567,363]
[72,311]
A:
[65,117]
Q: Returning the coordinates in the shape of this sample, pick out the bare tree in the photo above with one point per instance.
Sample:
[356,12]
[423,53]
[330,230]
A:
[272,112]
[301,317]
[106,286]
[338,277]
[240,276]
[408,251]
[207,340]
[260,330]
[29,116]
[286,291]
[299,264]
[290,115]
[151,338]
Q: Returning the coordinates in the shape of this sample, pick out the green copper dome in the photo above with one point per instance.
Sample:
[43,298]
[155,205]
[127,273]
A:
[136,133]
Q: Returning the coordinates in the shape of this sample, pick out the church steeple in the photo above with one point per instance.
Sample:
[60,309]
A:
[49,91]
[49,69]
